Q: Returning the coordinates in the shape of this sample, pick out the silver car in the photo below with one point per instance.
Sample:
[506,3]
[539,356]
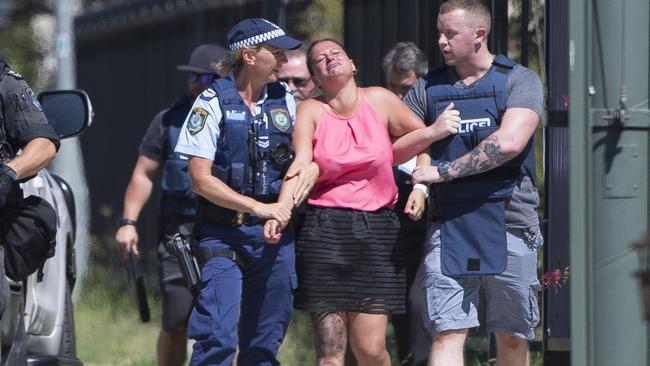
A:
[37,327]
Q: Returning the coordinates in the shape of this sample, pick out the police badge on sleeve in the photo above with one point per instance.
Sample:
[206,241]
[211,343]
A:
[32,97]
[196,122]
[281,119]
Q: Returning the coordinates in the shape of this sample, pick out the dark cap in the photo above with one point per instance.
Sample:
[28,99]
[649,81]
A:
[204,59]
[253,31]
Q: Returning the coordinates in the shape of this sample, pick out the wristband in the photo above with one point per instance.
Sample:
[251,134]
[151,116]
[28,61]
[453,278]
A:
[422,188]
[127,222]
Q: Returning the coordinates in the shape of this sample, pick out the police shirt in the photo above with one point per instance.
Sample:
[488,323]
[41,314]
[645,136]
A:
[524,91]
[201,139]
[22,113]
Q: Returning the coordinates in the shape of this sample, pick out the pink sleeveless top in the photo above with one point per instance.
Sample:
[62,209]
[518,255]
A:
[355,156]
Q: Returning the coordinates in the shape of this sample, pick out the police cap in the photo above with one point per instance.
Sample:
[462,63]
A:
[254,31]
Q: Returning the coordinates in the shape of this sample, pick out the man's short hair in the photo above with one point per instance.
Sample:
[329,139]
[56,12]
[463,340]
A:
[298,52]
[479,12]
[404,57]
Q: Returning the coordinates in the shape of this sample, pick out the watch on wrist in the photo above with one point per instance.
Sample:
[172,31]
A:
[127,222]
[443,170]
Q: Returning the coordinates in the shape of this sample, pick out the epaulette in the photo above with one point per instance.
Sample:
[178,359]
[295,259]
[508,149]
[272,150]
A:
[11,72]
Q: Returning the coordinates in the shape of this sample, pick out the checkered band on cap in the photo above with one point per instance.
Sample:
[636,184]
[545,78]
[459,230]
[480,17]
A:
[260,38]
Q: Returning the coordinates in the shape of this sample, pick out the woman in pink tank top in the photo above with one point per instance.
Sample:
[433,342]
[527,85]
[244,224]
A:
[350,272]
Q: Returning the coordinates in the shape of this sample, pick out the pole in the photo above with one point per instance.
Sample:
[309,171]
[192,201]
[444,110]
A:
[68,163]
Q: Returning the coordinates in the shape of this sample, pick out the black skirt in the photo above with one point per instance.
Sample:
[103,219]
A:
[348,260]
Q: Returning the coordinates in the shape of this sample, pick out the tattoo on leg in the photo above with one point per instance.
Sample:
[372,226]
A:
[331,336]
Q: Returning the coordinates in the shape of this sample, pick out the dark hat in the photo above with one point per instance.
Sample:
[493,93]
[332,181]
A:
[254,31]
[204,59]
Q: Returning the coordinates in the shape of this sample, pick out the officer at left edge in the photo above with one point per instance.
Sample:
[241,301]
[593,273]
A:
[23,127]
[237,138]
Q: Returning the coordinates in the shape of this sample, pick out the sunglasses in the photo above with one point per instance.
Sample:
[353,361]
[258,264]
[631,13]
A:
[298,82]
[203,79]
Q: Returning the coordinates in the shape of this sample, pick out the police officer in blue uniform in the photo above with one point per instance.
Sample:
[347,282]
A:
[238,141]
[177,207]
[487,230]
[23,126]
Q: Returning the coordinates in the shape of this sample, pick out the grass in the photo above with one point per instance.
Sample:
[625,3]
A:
[109,331]
[108,328]
[298,346]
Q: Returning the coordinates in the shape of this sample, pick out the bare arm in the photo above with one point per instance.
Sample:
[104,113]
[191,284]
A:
[219,193]
[407,130]
[517,127]
[34,156]
[137,194]
[302,142]
[416,202]
[139,189]
[405,147]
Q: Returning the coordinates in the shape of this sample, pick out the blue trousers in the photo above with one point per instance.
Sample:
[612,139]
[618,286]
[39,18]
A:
[248,307]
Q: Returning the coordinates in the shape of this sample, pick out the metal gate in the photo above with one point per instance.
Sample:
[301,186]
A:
[126,60]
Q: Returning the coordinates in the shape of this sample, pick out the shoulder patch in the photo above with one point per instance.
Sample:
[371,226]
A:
[30,94]
[281,119]
[196,122]
[14,74]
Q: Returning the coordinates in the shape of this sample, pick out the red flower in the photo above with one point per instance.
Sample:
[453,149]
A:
[555,278]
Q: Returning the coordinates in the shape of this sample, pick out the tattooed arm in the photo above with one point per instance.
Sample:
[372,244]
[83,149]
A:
[517,127]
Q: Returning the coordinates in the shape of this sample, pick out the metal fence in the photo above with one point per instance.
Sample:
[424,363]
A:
[126,60]
[372,27]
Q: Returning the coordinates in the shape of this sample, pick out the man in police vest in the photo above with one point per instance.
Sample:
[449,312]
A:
[178,202]
[487,231]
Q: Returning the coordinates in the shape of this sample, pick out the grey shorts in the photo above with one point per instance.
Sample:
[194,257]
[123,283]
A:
[451,303]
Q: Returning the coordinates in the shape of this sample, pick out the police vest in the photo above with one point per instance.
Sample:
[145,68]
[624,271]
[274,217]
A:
[481,108]
[177,196]
[253,153]
[471,210]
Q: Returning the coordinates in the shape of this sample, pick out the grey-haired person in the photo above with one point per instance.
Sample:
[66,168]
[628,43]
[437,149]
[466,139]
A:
[403,65]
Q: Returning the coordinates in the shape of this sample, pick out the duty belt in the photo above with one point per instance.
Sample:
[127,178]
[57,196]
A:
[216,215]
[204,254]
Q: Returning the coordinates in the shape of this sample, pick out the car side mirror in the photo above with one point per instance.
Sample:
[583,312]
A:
[69,112]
